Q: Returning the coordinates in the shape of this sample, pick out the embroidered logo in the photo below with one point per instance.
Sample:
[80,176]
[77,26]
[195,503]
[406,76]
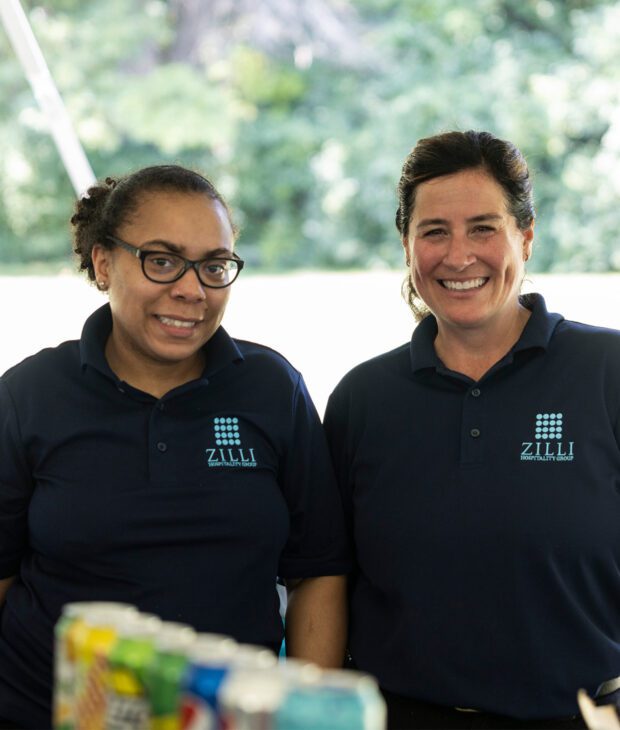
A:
[549,443]
[229,450]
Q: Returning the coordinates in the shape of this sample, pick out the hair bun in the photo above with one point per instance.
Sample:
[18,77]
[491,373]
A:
[86,206]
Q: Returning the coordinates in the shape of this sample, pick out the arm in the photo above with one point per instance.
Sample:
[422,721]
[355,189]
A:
[4,587]
[16,486]
[316,620]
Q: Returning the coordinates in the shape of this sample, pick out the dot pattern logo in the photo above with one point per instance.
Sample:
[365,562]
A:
[226,431]
[548,426]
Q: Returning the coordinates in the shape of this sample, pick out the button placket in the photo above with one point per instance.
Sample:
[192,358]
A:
[472,426]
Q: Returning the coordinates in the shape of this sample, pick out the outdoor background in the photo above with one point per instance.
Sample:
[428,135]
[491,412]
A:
[301,112]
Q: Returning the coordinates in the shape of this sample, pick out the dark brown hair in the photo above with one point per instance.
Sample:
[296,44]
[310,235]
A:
[109,204]
[452,152]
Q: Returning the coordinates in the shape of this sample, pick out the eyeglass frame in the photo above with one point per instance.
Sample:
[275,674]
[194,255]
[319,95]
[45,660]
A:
[141,253]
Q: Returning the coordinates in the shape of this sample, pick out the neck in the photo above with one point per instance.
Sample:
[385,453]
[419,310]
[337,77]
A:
[473,351]
[149,376]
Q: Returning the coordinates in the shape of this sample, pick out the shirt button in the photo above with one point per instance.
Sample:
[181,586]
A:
[474,433]
[475,392]
[161,446]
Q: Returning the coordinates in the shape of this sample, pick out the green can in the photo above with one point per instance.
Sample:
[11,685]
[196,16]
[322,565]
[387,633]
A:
[162,677]
[127,706]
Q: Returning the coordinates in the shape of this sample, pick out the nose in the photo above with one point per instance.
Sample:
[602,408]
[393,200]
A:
[189,287]
[459,254]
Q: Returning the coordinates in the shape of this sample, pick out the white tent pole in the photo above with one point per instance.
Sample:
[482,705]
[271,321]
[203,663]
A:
[31,58]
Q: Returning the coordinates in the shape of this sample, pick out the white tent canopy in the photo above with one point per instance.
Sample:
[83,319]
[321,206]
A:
[46,93]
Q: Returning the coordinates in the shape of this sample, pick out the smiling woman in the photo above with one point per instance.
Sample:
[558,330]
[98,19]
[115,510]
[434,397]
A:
[468,266]
[114,483]
[161,325]
[479,466]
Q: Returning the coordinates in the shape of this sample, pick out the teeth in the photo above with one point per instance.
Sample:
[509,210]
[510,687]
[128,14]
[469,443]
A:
[460,285]
[176,322]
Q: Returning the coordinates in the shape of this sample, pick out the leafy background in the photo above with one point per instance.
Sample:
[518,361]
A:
[302,113]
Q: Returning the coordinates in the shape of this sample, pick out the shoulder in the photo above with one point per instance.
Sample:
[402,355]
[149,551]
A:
[39,368]
[586,339]
[372,383]
[389,364]
[266,362]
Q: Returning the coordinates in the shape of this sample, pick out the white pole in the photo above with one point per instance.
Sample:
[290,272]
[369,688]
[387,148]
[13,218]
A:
[31,58]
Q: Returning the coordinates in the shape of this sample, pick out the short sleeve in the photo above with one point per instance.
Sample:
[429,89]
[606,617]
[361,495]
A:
[15,488]
[317,544]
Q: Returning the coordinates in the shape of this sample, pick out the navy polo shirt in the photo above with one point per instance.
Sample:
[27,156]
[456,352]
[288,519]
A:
[486,519]
[188,506]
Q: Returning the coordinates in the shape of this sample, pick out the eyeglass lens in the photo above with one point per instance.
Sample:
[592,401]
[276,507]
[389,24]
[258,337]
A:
[164,267]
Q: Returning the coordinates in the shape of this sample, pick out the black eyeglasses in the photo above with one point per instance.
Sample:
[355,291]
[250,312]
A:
[215,272]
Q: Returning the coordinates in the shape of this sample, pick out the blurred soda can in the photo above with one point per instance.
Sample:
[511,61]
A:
[126,699]
[339,700]
[210,662]
[164,674]
[250,700]
[77,656]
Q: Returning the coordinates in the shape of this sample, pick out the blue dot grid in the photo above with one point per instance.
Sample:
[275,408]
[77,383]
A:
[549,426]
[226,431]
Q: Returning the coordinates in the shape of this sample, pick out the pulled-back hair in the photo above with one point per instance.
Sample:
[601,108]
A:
[109,204]
[452,152]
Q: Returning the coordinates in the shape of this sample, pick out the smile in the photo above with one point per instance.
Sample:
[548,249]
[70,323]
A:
[183,323]
[455,285]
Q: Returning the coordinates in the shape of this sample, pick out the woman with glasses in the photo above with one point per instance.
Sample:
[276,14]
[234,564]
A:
[157,461]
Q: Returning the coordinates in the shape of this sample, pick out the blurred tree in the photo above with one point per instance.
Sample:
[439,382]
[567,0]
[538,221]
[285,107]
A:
[302,113]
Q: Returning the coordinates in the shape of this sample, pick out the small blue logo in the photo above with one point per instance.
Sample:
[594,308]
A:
[228,451]
[548,426]
[226,431]
[548,443]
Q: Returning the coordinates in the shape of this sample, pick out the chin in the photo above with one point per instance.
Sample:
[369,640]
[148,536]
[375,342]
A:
[464,322]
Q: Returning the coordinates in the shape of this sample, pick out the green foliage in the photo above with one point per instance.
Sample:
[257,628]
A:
[305,128]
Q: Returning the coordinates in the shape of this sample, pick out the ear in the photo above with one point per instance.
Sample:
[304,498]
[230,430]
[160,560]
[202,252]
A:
[528,241]
[405,244]
[101,258]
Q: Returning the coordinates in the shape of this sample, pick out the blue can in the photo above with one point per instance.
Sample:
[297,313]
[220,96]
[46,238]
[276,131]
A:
[339,700]
[211,659]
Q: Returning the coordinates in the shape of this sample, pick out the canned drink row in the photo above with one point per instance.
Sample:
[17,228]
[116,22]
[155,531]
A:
[117,668]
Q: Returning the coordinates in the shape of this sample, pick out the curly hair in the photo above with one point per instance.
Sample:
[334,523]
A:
[452,152]
[108,204]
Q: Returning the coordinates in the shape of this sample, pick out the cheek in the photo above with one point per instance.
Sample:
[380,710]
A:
[218,300]
[422,262]
[515,266]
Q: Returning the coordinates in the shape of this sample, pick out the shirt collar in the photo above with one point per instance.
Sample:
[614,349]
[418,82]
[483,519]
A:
[537,332]
[219,351]
[541,325]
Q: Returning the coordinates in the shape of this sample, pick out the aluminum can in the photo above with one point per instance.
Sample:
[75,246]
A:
[250,699]
[211,661]
[71,632]
[164,674]
[339,700]
[127,704]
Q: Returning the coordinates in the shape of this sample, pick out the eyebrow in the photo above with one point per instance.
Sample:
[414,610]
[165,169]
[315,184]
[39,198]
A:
[174,248]
[444,222]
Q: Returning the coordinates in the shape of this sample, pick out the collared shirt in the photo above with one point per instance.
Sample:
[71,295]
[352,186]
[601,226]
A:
[486,518]
[188,506]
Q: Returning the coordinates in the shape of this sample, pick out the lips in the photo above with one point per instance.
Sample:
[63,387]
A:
[463,284]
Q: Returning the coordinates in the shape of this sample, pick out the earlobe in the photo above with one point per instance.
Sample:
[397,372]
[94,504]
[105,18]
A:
[528,240]
[101,265]
[407,256]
